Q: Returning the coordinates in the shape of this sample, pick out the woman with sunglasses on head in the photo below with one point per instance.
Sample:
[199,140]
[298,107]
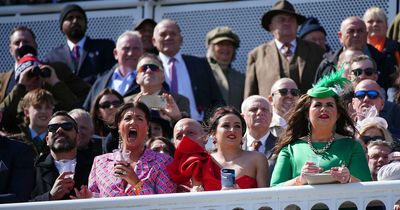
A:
[319,139]
[153,90]
[142,172]
[193,162]
[103,112]
[372,129]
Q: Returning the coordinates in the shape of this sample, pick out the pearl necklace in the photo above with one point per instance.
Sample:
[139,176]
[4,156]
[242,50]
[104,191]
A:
[324,149]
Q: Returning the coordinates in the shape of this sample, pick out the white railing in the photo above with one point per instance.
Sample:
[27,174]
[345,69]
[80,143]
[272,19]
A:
[333,196]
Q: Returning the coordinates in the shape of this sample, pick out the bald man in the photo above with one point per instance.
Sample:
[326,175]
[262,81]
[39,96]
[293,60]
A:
[190,128]
[284,95]
[187,75]
[353,35]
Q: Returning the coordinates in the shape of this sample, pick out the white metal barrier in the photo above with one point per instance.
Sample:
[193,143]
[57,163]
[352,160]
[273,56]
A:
[332,196]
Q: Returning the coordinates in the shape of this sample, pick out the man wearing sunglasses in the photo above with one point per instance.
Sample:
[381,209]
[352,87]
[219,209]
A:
[368,93]
[51,182]
[284,95]
[353,35]
[362,67]
[122,76]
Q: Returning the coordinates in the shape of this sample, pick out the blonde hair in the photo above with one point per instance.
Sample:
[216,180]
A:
[375,12]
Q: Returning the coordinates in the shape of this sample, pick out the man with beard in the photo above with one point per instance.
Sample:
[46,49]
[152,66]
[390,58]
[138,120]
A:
[284,95]
[257,112]
[85,56]
[52,182]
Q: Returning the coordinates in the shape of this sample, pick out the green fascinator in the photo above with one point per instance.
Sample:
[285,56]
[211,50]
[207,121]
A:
[329,85]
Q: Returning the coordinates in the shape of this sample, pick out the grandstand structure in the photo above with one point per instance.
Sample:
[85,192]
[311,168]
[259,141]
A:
[109,18]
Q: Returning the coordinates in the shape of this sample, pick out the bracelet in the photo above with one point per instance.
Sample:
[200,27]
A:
[297,181]
[138,187]
[349,179]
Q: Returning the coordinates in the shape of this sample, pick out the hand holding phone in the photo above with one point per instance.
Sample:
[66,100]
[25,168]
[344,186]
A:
[227,177]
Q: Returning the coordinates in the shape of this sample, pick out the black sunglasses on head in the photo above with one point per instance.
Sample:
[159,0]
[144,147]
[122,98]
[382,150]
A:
[285,91]
[367,71]
[108,104]
[372,94]
[367,139]
[67,126]
[152,67]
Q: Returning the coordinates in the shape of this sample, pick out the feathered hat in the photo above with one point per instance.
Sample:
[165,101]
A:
[329,85]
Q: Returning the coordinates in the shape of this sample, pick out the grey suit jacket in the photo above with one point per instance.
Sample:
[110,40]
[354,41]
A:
[264,67]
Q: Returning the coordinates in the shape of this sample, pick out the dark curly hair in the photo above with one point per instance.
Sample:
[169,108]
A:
[298,120]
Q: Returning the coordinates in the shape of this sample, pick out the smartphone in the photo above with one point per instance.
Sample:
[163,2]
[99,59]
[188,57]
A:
[227,177]
[153,101]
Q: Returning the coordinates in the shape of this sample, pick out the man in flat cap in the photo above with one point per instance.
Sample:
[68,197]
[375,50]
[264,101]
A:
[146,29]
[222,43]
[85,56]
[285,56]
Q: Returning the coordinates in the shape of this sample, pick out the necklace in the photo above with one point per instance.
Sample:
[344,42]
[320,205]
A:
[324,149]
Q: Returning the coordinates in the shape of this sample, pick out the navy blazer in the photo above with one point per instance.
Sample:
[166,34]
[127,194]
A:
[16,171]
[97,57]
[102,82]
[205,89]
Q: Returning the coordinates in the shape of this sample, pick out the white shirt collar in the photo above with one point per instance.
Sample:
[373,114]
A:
[165,59]
[251,139]
[277,121]
[293,43]
[71,45]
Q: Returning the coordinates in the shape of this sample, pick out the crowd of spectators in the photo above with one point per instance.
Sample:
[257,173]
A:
[136,117]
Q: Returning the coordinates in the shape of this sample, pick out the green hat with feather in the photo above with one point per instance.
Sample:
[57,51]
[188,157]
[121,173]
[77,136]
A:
[329,85]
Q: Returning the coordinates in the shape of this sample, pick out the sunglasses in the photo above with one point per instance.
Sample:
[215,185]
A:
[368,72]
[67,126]
[372,94]
[108,104]
[152,67]
[367,139]
[285,91]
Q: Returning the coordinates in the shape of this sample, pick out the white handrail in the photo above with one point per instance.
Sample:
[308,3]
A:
[305,197]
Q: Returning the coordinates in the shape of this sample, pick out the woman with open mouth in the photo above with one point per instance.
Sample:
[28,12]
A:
[140,171]
[319,140]
[249,169]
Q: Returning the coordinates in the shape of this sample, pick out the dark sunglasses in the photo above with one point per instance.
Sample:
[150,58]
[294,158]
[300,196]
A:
[67,126]
[367,139]
[285,91]
[152,67]
[108,104]
[372,94]
[367,71]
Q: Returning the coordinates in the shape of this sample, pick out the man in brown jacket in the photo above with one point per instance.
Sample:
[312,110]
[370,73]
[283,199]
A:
[285,56]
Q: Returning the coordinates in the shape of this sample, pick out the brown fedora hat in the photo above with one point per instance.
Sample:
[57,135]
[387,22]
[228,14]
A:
[281,6]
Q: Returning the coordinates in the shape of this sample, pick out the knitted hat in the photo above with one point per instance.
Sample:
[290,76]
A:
[329,85]
[310,25]
[69,8]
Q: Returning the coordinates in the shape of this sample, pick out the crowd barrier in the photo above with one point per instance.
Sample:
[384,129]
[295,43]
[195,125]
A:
[333,196]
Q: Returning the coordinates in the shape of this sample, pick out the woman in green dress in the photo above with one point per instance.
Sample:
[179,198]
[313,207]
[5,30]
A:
[319,127]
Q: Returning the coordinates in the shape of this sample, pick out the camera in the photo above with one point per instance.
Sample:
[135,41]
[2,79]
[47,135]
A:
[27,58]
[36,72]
